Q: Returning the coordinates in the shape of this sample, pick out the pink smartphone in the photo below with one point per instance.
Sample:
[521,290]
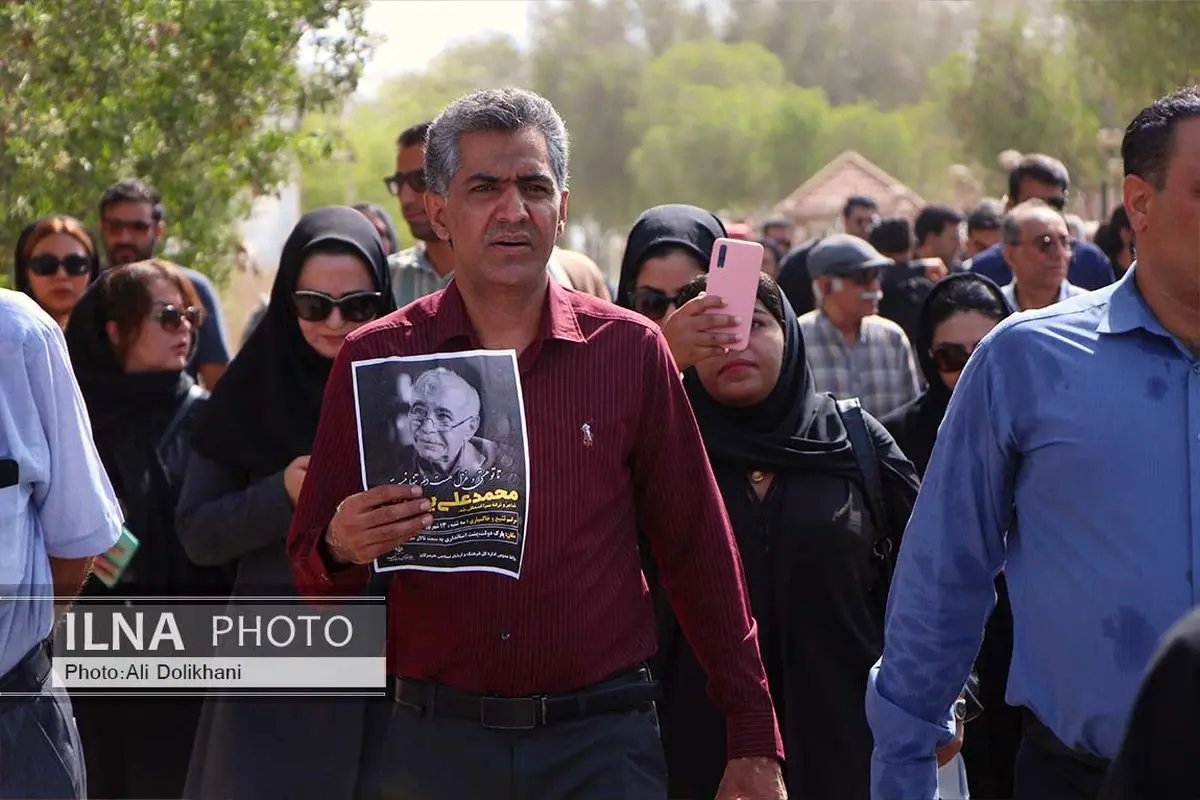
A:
[733,276]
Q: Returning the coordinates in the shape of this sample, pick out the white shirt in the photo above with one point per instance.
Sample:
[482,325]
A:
[62,504]
[1066,290]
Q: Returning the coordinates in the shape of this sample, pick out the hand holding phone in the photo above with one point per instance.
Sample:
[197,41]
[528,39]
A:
[111,564]
[699,329]
[733,272]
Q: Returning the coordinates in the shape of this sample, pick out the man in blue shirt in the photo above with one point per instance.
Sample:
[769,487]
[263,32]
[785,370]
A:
[57,511]
[131,225]
[1046,179]
[1070,458]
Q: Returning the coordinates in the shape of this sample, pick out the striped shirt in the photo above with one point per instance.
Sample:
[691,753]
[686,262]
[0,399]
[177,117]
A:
[879,369]
[580,611]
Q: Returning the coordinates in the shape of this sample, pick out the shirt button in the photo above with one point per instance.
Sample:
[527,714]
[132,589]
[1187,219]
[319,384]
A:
[1196,368]
[505,636]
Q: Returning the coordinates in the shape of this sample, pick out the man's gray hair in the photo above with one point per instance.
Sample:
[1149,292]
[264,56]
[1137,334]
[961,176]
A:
[501,110]
[1034,207]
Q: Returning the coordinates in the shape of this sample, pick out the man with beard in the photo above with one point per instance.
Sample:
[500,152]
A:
[131,225]
[428,265]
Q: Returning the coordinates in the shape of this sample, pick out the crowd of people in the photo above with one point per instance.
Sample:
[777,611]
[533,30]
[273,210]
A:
[930,533]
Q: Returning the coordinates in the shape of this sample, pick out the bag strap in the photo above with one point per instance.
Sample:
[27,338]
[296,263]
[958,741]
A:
[850,410]
[194,393]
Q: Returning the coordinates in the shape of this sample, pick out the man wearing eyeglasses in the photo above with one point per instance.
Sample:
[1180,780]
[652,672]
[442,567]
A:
[852,351]
[428,265]
[1044,178]
[1037,244]
[444,417]
[131,225]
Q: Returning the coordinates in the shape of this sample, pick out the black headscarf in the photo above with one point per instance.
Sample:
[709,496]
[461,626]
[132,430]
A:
[936,310]
[387,221]
[794,428]
[21,263]
[111,394]
[264,411]
[688,227]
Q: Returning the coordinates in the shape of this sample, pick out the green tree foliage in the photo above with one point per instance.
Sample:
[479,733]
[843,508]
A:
[364,133]
[1019,90]
[196,98]
[1145,48]
[735,103]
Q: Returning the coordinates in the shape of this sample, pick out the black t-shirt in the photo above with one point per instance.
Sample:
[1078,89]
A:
[794,279]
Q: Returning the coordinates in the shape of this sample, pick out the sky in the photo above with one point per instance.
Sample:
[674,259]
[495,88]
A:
[416,31]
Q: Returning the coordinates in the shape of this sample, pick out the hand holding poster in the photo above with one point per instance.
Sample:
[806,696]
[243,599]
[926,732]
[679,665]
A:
[453,424]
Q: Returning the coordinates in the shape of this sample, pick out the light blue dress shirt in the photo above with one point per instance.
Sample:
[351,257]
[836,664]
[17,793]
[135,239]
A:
[62,505]
[1076,430]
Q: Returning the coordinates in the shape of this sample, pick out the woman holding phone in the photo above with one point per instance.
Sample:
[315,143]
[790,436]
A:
[816,542]
[249,461]
[129,338]
[668,246]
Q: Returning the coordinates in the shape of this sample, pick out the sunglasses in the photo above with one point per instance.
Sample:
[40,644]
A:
[951,356]
[1047,243]
[653,303]
[862,277]
[1058,203]
[172,317]
[48,265]
[415,179]
[317,306]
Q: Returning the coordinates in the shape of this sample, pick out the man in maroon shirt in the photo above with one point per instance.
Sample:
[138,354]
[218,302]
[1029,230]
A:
[535,687]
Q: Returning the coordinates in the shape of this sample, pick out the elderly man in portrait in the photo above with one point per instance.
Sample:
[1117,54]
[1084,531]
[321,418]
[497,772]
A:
[444,418]
[538,684]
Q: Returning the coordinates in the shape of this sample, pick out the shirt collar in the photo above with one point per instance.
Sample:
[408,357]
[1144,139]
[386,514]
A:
[559,320]
[1127,311]
[1009,291]
[423,262]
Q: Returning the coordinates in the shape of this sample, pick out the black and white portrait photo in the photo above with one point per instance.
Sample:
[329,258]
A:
[452,423]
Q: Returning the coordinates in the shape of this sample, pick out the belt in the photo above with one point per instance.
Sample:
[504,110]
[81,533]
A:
[1046,739]
[28,676]
[622,693]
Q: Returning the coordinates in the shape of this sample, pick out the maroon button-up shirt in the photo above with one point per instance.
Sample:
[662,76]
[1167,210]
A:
[581,610]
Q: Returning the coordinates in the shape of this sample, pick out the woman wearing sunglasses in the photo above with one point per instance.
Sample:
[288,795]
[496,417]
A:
[55,261]
[249,460]
[129,338]
[959,311]
[667,248]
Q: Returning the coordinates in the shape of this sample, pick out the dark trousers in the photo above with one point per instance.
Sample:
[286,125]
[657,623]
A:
[1042,774]
[614,756]
[39,745]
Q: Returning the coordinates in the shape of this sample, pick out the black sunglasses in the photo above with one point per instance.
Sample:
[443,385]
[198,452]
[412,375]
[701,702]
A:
[951,356]
[172,317]
[653,303]
[1058,202]
[314,306]
[47,265]
[862,277]
[415,179]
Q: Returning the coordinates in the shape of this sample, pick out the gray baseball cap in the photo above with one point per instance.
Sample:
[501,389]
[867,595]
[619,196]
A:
[842,254]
